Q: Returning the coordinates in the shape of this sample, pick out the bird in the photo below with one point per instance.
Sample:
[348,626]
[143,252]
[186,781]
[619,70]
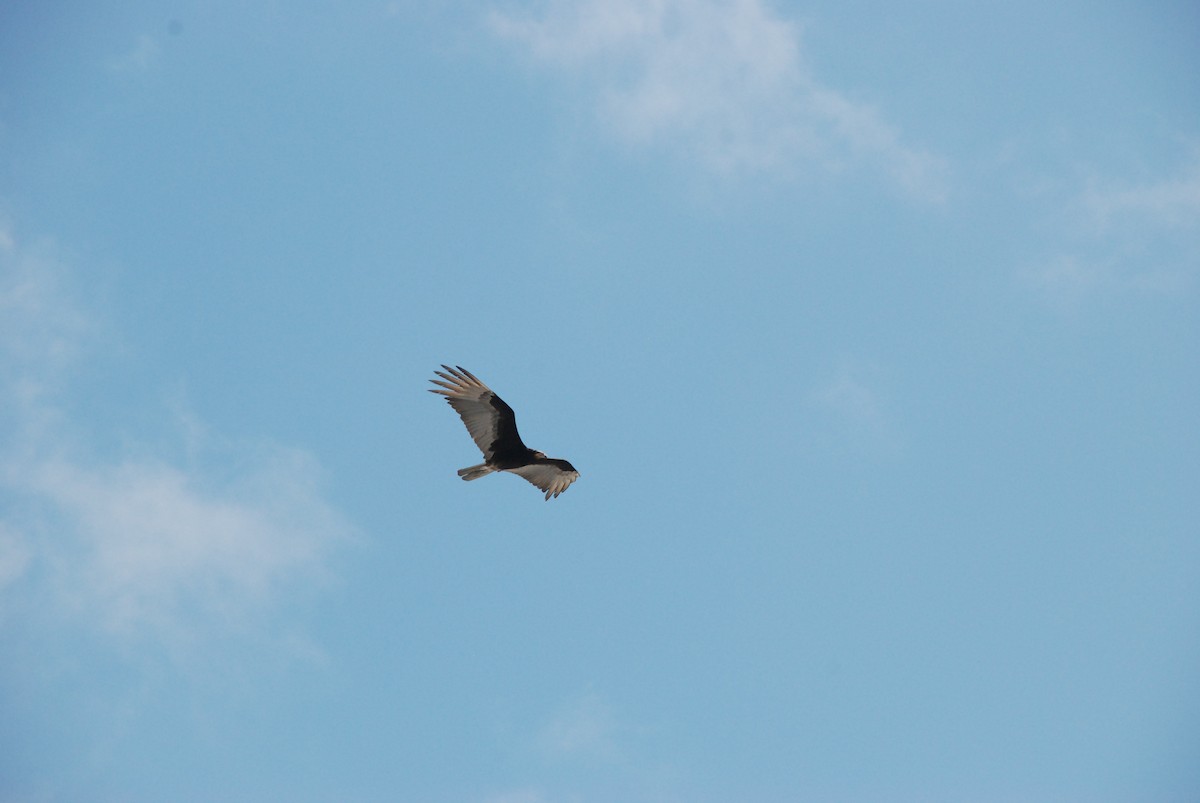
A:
[493,426]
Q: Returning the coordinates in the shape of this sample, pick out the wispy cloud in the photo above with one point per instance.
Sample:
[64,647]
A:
[41,327]
[584,729]
[1125,239]
[143,55]
[145,545]
[1169,203]
[14,555]
[1071,280]
[586,743]
[529,795]
[852,400]
[723,80]
[139,544]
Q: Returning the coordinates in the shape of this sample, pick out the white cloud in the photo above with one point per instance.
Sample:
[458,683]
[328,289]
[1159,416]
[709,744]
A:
[144,54]
[586,744]
[857,410]
[725,80]
[40,325]
[1065,279]
[136,545]
[1172,202]
[144,544]
[14,554]
[847,395]
[1072,280]
[517,796]
[1124,240]
[583,729]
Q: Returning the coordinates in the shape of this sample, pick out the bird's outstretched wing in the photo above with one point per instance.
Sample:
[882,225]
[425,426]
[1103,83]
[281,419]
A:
[548,474]
[491,422]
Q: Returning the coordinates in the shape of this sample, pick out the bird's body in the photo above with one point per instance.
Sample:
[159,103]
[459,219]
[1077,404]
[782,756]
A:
[493,426]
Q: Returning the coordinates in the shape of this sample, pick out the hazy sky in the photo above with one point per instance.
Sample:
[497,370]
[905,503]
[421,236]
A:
[872,329]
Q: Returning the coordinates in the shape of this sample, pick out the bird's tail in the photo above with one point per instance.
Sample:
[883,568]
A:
[475,472]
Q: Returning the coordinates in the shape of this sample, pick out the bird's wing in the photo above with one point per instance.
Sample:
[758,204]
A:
[491,422]
[550,475]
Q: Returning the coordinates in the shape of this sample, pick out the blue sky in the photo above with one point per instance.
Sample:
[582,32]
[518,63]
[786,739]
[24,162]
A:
[871,330]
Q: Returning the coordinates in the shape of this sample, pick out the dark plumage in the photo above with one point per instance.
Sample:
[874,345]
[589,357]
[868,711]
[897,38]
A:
[493,427]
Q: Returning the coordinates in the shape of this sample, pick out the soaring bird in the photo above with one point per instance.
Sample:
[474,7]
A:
[493,427]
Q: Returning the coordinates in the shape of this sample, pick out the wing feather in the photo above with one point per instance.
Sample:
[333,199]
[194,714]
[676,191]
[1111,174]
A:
[490,422]
[549,475]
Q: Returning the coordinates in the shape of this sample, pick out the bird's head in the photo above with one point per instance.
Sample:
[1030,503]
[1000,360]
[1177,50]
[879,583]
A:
[539,455]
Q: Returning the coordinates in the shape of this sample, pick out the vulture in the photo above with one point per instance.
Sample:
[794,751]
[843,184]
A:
[493,427]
